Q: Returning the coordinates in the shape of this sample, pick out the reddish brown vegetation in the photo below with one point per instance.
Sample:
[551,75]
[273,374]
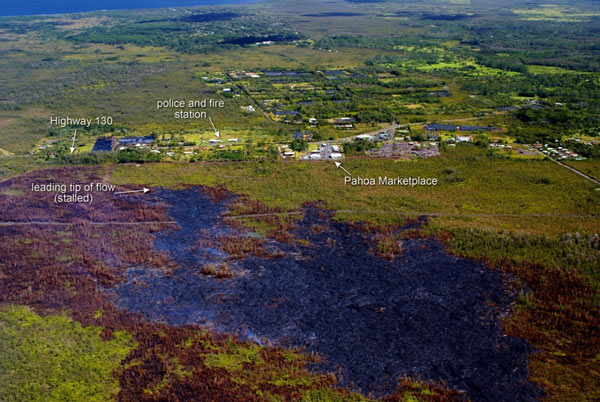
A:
[217,193]
[62,266]
[560,317]
[246,206]
[248,213]
[178,354]
[220,271]
[386,240]
[316,229]
[388,247]
[240,247]
[65,267]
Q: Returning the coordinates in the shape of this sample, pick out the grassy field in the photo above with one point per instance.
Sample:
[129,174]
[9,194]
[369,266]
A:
[589,167]
[53,358]
[13,166]
[529,218]
[474,190]
[552,12]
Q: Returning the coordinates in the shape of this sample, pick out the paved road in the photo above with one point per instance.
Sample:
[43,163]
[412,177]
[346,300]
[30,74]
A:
[245,92]
[572,169]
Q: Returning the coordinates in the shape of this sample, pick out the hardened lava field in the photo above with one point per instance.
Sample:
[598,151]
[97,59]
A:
[373,310]
[424,314]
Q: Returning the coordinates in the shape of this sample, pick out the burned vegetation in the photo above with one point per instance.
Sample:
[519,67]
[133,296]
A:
[326,289]
[67,259]
[229,299]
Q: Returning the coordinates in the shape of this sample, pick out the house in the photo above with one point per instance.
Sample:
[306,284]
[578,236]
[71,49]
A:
[289,154]
[364,137]
[344,120]
[104,144]
[286,113]
[506,108]
[441,127]
[335,148]
[462,138]
[147,140]
[533,104]
[336,155]
[313,122]
[333,73]
[475,128]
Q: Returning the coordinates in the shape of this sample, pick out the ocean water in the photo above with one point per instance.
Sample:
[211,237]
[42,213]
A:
[33,7]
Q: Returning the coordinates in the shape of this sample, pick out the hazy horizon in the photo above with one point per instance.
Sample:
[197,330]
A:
[36,7]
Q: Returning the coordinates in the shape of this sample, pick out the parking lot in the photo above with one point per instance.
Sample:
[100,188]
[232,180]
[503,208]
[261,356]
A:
[406,150]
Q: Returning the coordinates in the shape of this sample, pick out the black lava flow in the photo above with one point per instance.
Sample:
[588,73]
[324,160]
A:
[426,315]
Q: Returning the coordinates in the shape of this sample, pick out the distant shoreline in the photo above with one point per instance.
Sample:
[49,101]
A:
[18,8]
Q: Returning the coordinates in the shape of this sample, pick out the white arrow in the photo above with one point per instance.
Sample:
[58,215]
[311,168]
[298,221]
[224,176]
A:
[73,144]
[145,190]
[339,165]
[217,132]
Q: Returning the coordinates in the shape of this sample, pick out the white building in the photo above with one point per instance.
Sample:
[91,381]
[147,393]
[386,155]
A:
[364,137]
